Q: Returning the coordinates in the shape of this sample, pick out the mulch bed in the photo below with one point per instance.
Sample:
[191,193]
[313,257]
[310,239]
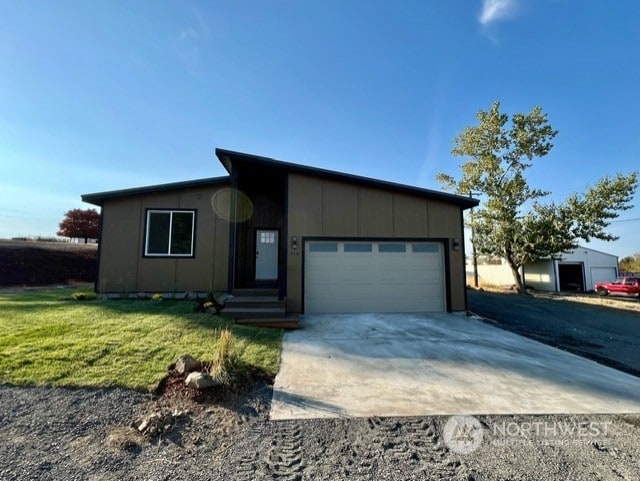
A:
[173,388]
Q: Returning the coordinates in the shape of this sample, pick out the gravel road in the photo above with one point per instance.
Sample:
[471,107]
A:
[608,335]
[80,434]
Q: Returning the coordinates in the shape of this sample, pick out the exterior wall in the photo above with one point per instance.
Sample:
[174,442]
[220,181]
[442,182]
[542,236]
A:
[325,208]
[491,274]
[541,275]
[123,268]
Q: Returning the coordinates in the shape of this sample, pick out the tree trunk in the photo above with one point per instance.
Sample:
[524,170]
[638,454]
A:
[515,270]
[86,239]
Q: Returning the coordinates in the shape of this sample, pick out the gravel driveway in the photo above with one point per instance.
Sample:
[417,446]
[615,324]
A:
[608,335]
[72,434]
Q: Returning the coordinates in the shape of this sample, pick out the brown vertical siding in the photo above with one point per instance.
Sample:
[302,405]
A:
[304,218]
[410,216]
[123,267]
[319,207]
[339,209]
[119,250]
[375,213]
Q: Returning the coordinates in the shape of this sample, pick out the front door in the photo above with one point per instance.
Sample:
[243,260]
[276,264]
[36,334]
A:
[266,255]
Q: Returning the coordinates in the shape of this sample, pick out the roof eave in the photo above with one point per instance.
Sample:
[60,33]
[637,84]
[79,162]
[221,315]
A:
[228,157]
[98,198]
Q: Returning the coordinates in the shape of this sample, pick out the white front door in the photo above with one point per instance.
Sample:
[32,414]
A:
[266,255]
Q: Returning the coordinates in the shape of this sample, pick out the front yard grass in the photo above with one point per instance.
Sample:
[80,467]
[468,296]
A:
[48,339]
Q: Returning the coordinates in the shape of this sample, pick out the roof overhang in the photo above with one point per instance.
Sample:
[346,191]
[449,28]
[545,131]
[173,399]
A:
[230,158]
[98,198]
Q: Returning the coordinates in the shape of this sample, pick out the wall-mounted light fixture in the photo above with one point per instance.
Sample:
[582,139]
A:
[294,242]
[456,244]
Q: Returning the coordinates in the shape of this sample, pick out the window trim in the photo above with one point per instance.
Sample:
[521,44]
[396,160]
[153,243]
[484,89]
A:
[169,255]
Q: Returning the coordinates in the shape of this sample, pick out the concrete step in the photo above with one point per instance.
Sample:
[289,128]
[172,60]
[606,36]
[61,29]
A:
[254,301]
[284,322]
[256,292]
[254,312]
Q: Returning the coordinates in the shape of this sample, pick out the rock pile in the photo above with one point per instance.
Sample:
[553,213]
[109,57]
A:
[158,422]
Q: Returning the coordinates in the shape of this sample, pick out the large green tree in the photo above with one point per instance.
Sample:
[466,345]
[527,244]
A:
[512,221]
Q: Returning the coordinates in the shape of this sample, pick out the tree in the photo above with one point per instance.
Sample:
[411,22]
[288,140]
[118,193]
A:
[513,222]
[630,263]
[79,223]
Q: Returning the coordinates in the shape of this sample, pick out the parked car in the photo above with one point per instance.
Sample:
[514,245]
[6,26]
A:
[622,286]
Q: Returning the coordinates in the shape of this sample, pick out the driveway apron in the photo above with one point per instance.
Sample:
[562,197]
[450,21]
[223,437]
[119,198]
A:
[343,365]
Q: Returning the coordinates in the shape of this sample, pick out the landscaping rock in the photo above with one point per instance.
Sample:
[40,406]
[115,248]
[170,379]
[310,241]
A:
[199,380]
[187,364]
[158,422]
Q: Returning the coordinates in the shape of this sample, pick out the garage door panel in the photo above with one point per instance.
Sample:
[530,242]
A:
[353,281]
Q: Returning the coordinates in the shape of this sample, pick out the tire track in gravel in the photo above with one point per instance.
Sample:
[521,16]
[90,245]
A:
[413,442]
[282,452]
[248,459]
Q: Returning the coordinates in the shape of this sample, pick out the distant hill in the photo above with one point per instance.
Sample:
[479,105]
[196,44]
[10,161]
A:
[34,263]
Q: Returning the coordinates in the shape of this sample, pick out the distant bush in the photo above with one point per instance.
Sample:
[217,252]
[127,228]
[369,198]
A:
[83,296]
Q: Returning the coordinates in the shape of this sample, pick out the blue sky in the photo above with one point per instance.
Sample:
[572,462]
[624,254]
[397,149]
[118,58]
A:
[106,95]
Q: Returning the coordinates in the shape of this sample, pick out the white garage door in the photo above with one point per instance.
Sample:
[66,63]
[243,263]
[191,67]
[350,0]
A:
[601,274]
[350,276]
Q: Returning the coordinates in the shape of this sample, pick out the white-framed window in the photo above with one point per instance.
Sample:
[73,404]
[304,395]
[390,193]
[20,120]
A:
[267,237]
[169,233]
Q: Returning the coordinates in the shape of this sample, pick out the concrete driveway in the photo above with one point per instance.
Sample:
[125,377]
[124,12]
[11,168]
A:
[411,365]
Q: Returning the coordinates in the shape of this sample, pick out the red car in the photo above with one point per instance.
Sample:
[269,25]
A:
[622,286]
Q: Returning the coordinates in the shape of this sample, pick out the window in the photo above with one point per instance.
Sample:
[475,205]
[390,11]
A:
[348,247]
[267,237]
[323,247]
[170,233]
[392,247]
[430,248]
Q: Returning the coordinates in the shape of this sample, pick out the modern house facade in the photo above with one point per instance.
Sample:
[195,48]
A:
[327,241]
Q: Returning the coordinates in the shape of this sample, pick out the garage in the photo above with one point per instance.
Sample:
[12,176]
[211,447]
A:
[345,276]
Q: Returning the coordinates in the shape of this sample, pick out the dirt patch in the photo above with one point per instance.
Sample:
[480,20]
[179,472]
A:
[30,263]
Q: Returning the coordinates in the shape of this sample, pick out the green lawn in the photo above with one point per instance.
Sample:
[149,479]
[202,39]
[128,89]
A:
[46,338]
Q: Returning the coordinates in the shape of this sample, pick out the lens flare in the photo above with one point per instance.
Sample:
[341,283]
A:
[232,205]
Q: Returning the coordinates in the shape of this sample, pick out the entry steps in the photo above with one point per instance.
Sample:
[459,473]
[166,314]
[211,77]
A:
[259,307]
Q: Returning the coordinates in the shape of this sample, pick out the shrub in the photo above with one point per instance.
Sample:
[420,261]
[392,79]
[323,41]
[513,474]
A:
[83,296]
[225,358]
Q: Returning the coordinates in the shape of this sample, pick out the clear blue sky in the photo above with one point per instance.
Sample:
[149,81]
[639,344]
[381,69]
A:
[106,95]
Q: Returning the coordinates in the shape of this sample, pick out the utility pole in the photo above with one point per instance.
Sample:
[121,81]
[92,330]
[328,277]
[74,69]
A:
[473,244]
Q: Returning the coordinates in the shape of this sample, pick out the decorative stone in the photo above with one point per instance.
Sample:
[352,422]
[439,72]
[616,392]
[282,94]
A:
[186,364]
[198,380]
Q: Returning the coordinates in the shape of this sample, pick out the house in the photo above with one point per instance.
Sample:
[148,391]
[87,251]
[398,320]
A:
[576,270]
[319,240]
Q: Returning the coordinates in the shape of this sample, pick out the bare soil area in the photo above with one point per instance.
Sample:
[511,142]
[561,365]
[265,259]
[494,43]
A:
[78,434]
[32,263]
